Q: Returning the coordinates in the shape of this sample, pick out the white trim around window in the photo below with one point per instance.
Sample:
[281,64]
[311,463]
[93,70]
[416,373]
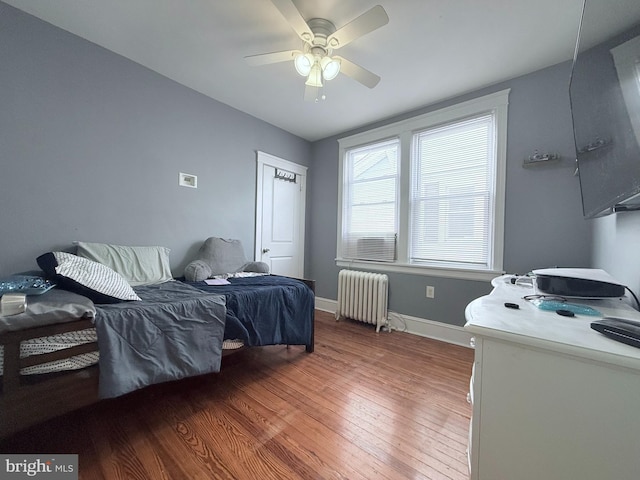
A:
[403,131]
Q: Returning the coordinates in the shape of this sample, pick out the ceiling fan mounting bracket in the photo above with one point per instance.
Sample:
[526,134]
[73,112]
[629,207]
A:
[321,26]
[321,29]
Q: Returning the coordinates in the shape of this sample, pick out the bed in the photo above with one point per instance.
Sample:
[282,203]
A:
[266,309]
[53,368]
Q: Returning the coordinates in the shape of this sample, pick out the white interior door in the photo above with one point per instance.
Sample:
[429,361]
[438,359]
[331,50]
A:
[280,218]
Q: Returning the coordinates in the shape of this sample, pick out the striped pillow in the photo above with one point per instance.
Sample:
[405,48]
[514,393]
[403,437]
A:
[86,277]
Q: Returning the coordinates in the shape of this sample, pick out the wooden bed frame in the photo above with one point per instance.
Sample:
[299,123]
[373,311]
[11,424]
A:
[27,400]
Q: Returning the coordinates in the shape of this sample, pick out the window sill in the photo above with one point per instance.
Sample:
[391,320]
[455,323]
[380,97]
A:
[429,271]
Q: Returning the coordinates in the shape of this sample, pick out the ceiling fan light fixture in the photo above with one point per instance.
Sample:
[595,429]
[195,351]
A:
[330,68]
[315,76]
[303,63]
[320,37]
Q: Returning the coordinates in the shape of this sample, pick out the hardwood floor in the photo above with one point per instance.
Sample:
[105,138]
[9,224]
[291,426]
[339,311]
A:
[362,406]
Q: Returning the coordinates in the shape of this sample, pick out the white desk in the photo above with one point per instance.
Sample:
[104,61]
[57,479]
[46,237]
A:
[552,398]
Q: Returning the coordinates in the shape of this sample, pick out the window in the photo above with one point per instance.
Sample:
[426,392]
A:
[370,213]
[426,195]
[451,192]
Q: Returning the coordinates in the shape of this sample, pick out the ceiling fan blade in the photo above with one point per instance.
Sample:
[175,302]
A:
[292,15]
[274,57]
[358,73]
[365,23]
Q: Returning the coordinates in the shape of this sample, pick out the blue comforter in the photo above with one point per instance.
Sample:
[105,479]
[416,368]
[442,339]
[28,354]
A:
[266,310]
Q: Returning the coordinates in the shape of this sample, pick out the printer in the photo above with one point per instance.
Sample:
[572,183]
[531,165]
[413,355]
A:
[577,283]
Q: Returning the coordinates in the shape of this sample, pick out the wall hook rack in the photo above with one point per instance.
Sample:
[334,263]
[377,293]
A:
[538,157]
[597,144]
[286,176]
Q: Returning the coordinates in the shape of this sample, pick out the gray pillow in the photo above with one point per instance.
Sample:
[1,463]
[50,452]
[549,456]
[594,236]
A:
[257,267]
[221,256]
[197,271]
[54,306]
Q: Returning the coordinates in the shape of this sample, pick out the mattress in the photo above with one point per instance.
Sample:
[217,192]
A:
[38,346]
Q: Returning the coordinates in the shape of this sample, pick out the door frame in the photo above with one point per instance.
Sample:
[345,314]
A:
[263,159]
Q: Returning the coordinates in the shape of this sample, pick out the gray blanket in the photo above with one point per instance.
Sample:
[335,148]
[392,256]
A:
[176,331]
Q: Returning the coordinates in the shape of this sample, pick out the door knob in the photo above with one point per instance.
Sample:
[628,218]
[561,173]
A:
[265,250]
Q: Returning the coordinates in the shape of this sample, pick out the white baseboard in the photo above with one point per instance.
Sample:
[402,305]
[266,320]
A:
[414,325]
[326,305]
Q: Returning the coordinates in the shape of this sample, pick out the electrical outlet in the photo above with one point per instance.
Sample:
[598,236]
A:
[431,291]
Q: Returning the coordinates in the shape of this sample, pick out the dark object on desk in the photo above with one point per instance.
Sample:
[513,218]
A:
[515,306]
[619,329]
[577,287]
[565,313]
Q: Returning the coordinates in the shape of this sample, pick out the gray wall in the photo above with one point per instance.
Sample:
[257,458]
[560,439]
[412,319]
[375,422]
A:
[616,247]
[91,145]
[543,225]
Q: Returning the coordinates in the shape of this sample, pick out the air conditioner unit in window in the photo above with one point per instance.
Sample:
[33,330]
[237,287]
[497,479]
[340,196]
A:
[376,248]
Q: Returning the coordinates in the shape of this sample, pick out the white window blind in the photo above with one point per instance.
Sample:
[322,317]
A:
[370,201]
[453,189]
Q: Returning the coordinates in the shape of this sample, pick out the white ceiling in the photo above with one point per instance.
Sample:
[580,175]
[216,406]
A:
[429,51]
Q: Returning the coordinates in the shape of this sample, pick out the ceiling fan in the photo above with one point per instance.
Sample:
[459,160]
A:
[316,61]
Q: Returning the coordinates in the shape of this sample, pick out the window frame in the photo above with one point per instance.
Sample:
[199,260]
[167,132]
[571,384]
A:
[349,187]
[404,130]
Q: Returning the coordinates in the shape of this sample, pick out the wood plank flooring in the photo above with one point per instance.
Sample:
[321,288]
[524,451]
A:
[364,405]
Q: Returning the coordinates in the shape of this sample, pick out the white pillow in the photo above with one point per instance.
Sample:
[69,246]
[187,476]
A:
[92,276]
[138,265]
